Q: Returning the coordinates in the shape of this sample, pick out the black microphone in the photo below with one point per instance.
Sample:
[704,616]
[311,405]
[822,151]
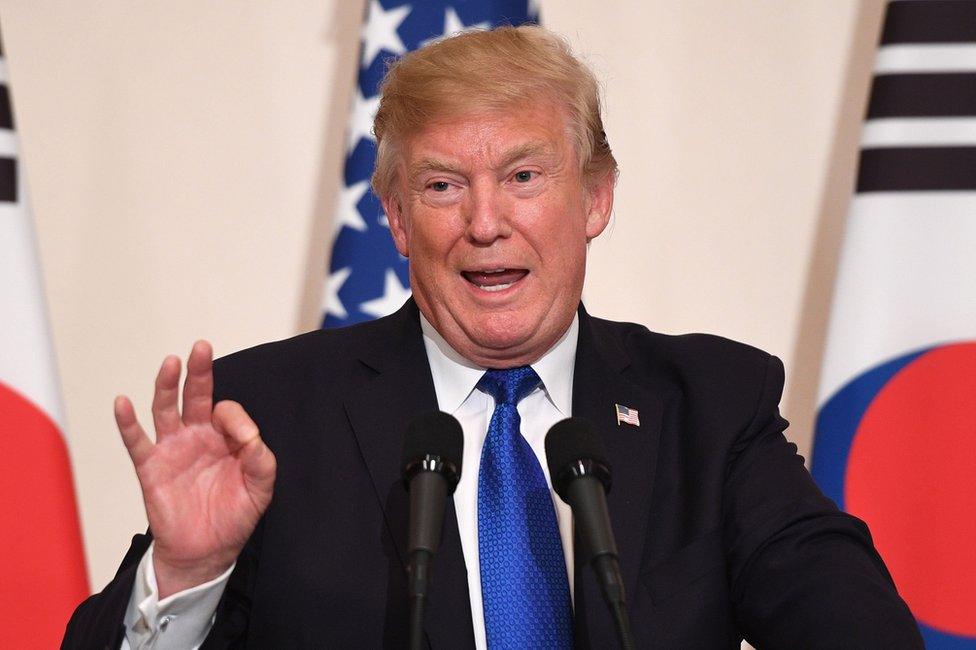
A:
[431,468]
[581,477]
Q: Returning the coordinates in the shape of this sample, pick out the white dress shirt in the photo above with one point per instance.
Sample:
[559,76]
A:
[183,620]
[455,379]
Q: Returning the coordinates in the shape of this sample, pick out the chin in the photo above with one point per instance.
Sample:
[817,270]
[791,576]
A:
[501,341]
[506,342]
[506,329]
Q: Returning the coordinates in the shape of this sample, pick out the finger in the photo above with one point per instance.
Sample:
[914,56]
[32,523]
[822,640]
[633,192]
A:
[136,442]
[259,466]
[232,420]
[165,412]
[198,387]
[257,461]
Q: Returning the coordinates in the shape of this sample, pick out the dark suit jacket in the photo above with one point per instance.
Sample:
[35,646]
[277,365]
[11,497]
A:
[722,534]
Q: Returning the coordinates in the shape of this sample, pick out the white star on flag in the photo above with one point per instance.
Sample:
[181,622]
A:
[454,25]
[361,124]
[394,295]
[380,31]
[332,303]
[347,211]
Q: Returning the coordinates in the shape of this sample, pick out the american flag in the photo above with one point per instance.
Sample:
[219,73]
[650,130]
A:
[628,415]
[367,276]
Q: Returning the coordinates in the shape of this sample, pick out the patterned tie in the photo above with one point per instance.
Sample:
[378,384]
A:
[523,571]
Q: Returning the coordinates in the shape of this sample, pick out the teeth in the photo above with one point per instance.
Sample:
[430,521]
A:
[494,287]
[493,271]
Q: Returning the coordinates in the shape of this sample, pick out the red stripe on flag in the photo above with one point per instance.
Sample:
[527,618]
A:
[42,567]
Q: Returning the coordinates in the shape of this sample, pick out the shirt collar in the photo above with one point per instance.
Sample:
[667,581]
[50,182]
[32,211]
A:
[455,377]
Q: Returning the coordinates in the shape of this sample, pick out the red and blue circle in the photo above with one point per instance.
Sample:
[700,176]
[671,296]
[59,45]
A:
[896,447]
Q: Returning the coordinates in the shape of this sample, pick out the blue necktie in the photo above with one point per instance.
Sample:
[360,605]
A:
[523,571]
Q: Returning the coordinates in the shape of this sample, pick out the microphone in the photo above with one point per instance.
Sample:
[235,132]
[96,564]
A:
[581,477]
[431,469]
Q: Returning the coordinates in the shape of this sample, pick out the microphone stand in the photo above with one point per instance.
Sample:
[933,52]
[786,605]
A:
[429,479]
[590,479]
[418,578]
[606,566]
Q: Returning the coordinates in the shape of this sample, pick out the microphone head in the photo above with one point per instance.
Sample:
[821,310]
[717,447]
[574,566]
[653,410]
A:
[574,449]
[433,442]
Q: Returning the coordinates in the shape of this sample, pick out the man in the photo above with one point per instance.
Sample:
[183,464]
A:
[279,519]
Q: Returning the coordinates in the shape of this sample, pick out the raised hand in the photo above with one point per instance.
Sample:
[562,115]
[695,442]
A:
[207,479]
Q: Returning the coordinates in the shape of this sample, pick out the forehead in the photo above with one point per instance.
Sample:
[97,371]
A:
[490,134]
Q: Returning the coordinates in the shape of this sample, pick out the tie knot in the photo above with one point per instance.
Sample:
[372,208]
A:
[509,386]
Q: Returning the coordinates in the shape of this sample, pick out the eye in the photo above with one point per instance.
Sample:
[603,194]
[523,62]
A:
[523,176]
[439,186]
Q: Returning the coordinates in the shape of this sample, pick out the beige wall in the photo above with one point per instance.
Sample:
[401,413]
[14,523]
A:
[182,156]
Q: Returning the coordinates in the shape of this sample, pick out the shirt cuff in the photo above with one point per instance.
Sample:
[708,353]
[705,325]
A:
[181,620]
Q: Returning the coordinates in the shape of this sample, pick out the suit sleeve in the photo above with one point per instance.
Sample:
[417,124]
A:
[803,573]
[98,621]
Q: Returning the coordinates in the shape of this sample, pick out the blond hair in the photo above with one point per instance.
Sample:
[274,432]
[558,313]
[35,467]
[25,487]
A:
[489,71]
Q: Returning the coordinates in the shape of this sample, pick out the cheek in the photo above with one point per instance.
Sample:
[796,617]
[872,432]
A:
[562,247]
[432,248]
[559,231]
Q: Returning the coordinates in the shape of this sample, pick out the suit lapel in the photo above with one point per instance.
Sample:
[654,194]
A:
[379,411]
[599,383]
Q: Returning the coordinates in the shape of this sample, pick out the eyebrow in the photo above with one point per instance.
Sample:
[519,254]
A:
[431,165]
[525,150]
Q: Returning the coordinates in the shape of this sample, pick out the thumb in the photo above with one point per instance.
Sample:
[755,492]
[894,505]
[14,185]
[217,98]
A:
[257,461]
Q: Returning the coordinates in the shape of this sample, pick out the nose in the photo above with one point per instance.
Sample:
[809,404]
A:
[487,216]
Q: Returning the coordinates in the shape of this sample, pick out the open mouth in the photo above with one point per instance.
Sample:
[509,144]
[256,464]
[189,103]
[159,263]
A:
[494,279]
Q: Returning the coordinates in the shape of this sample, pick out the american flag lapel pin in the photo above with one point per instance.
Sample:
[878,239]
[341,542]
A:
[627,414]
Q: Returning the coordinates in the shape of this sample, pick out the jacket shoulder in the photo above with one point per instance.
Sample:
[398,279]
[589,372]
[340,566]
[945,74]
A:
[318,357]
[687,353]
[726,377]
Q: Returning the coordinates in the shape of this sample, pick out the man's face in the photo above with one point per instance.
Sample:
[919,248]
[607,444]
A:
[494,216]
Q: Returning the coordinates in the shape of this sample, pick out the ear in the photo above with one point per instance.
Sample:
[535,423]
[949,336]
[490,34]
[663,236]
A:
[398,227]
[599,203]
